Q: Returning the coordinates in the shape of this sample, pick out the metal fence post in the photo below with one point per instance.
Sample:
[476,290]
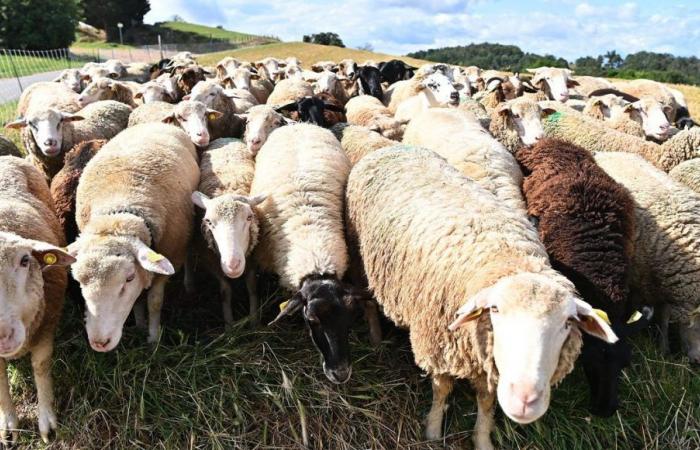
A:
[160,47]
[14,69]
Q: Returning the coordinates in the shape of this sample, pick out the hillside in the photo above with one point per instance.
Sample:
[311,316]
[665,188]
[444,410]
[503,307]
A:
[307,53]
[207,32]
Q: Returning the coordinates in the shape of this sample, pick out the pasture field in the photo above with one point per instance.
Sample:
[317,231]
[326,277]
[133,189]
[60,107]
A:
[207,32]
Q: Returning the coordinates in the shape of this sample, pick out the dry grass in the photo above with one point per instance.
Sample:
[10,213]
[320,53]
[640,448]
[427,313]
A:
[692,96]
[307,53]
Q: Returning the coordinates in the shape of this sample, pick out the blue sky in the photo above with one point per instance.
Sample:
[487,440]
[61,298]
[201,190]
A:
[568,28]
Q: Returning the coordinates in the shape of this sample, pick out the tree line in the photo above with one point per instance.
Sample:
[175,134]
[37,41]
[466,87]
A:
[655,66]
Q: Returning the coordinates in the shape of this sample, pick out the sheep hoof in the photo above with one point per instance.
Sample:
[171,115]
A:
[483,443]
[47,424]
[8,429]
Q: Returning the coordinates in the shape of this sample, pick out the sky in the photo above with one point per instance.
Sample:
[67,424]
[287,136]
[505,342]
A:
[567,28]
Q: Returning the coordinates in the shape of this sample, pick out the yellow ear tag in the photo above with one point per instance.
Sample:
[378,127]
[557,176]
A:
[474,314]
[635,317]
[283,305]
[50,258]
[212,116]
[154,257]
[602,314]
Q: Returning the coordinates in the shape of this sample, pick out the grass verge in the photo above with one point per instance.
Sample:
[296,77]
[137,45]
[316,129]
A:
[28,65]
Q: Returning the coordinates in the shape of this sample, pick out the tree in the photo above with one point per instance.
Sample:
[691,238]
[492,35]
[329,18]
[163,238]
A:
[326,38]
[38,24]
[106,14]
[613,60]
[589,65]
[177,18]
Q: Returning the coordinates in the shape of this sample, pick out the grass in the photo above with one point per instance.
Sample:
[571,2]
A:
[208,32]
[100,45]
[307,53]
[27,65]
[201,387]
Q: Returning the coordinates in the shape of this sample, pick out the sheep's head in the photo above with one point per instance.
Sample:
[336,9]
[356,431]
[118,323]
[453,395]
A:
[153,92]
[207,92]
[271,65]
[112,271]
[327,82]
[605,107]
[440,90]
[652,115]
[226,66]
[193,117]
[100,89]
[240,78]
[116,68]
[46,128]
[554,82]
[22,262]
[524,117]
[348,68]
[189,76]
[230,227]
[72,78]
[532,316]
[261,120]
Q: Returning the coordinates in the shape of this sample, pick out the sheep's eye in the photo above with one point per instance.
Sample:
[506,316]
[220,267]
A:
[249,218]
[516,116]
[494,309]
[130,278]
[32,125]
[24,262]
[182,119]
[313,319]
[567,324]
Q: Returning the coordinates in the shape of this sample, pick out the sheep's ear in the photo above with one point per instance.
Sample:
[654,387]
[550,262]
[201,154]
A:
[290,307]
[571,83]
[230,93]
[667,109]
[546,112]
[138,95]
[213,114]
[86,77]
[288,107]
[472,309]
[200,199]
[74,248]
[316,68]
[631,107]
[187,97]
[503,109]
[594,322]
[16,124]
[170,118]
[57,80]
[332,107]
[335,69]
[153,261]
[49,255]
[68,117]
[257,199]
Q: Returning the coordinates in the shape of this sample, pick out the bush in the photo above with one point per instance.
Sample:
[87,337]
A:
[37,24]
[326,38]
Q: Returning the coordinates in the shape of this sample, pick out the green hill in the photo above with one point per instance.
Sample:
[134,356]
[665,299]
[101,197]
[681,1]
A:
[206,32]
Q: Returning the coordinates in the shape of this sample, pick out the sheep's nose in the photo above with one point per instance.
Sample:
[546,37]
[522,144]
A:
[454,95]
[100,345]
[50,142]
[255,141]
[7,334]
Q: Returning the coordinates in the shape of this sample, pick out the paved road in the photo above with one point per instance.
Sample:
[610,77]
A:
[9,89]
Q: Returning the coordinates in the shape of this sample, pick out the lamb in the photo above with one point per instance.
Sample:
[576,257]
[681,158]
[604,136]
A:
[230,224]
[302,169]
[463,142]
[65,184]
[475,290]
[369,112]
[134,213]
[518,122]
[614,111]
[554,82]
[7,147]
[153,91]
[33,279]
[586,222]
[220,99]
[193,117]
[428,88]
[572,126]
[358,141]
[261,120]
[107,89]
[288,91]
[244,79]
[45,95]
[587,84]
[72,78]
[52,132]
[688,173]
[666,265]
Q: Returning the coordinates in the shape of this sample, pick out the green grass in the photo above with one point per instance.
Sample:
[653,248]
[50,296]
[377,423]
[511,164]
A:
[208,32]
[201,387]
[27,65]
[100,45]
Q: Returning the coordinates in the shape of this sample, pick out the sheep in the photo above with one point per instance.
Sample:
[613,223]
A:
[219,99]
[518,122]
[517,325]
[682,119]
[329,83]
[226,65]
[106,89]
[369,112]
[65,183]
[369,82]
[688,173]
[464,143]
[116,68]
[348,68]
[428,88]
[572,126]
[44,95]
[288,91]
[92,71]
[244,79]
[666,266]
[554,82]
[477,110]
[33,279]
[271,65]
[648,88]
[587,84]
[153,91]
[358,141]
[7,147]
[138,72]
[134,213]
[323,110]
[188,77]
[72,78]
[322,66]
[49,133]
[302,169]
[260,121]
[586,222]
[395,70]
[230,224]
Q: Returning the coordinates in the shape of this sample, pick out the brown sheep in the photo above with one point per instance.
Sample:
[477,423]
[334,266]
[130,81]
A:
[586,222]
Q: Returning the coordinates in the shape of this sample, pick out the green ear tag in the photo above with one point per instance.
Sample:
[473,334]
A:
[554,117]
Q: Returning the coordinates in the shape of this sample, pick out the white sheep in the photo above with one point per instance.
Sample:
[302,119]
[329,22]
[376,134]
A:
[463,142]
[45,95]
[108,89]
[428,88]
[330,83]
[471,281]
[358,141]
[193,117]
[260,121]
[554,82]
[229,102]
[688,173]
[648,88]
[666,266]
[134,212]
[588,84]
[288,91]
[518,122]
[72,78]
[153,91]
[243,78]
[33,283]
[369,112]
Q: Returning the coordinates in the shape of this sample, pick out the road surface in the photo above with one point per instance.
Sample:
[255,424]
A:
[10,91]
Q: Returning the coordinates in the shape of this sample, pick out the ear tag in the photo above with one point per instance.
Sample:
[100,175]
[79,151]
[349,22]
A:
[635,317]
[474,314]
[50,259]
[602,314]
[554,117]
[283,305]
[212,116]
[154,257]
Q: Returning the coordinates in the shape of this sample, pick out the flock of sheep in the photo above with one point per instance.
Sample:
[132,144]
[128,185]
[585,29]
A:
[508,222]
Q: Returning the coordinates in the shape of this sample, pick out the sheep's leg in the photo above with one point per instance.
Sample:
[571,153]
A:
[226,294]
[140,314]
[251,284]
[8,416]
[189,280]
[442,386]
[155,303]
[664,318]
[41,366]
[484,421]
[372,318]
